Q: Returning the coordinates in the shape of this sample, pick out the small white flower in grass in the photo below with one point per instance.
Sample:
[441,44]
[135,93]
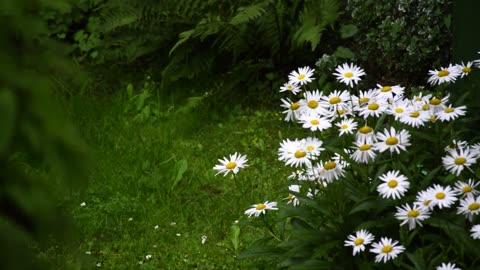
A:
[475,231]
[411,215]
[466,188]
[173,224]
[83,204]
[388,92]
[366,133]
[359,240]
[451,113]
[261,208]
[293,110]
[415,117]
[337,100]
[348,74]
[443,75]
[292,198]
[393,185]
[392,140]
[204,239]
[373,108]
[130,219]
[456,161]
[447,266]
[386,249]
[442,196]
[364,151]
[290,87]
[469,206]
[156,227]
[148,257]
[314,122]
[178,234]
[88,252]
[232,164]
[301,76]
[465,69]
[294,153]
[346,126]
[99,264]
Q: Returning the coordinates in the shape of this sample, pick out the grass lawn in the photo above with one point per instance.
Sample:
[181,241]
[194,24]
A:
[153,200]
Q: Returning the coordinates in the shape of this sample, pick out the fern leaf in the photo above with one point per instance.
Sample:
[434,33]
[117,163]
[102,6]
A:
[184,36]
[247,14]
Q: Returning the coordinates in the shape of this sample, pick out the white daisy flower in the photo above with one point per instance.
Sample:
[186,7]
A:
[373,108]
[312,103]
[261,208]
[447,266]
[424,199]
[438,104]
[451,113]
[448,74]
[394,185]
[314,122]
[294,153]
[469,206]
[456,145]
[442,196]
[346,126]
[465,69]
[359,240]
[420,98]
[364,151]
[462,188]
[293,110]
[475,148]
[392,140]
[411,215]
[386,249]
[388,92]
[329,171]
[476,63]
[313,146]
[475,231]
[399,108]
[415,117]
[302,76]
[290,87]
[456,161]
[292,198]
[364,97]
[348,74]
[366,133]
[233,164]
[337,100]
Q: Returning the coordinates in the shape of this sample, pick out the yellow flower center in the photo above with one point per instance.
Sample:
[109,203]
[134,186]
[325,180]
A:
[373,106]
[460,161]
[449,110]
[291,197]
[440,195]
[413,213]
[314,122]
[467,189]
[432,118]
[474,206]
[312,104]
[425,107]
[391,141]
[387,249]
[260,206]
[414,114]
[427,202]
[340,112]
[290,87]
[301,76]
[466,69]
[294,106]
[348,74]
[398,110]
[443,73]
[365,130]
[363,100]
[386,89]
[358,241]
[330,165]
[392,183]
[365,147]
[435,101]
[334,100]
[231,165]
[299,154]
[418,99]
[310,148]
[344,126]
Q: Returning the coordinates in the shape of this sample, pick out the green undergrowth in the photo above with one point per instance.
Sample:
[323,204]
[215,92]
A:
[153,190]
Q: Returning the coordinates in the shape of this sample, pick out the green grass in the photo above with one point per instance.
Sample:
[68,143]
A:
[159,173]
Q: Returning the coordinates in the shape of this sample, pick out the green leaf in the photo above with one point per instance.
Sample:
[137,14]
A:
[130,90]
[348,30]
[246,14]
[180,167]
[7,118]
[363,206]
[344,53]
[184,36]
[235,236]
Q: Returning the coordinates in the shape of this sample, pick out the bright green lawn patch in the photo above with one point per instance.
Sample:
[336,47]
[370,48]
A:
[154,192]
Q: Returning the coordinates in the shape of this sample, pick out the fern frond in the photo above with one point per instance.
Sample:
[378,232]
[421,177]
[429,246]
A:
[247,14]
